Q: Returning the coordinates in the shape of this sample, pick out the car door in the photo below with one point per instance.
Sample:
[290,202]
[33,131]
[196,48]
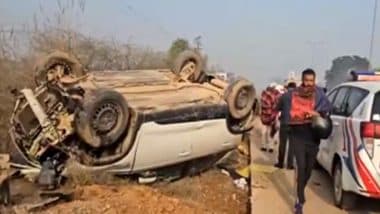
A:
[182,135]
[323,147]
[164,144]
[335,141]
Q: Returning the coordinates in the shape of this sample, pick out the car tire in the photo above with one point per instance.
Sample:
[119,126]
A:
[203,78]
[239,126]
[342,199]
[92,124]
[191,61]
[71,65]
[240,97]
[256,106]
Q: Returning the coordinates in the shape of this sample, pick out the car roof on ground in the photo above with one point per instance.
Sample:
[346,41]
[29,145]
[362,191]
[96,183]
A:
[371,86]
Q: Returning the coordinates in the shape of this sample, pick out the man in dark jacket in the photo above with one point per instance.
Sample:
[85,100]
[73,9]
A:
[284,108]
[302,104]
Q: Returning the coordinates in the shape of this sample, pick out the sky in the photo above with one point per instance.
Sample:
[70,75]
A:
[262,40]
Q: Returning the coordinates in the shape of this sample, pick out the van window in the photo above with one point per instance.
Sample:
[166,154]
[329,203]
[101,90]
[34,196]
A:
[376,108]
[355,97]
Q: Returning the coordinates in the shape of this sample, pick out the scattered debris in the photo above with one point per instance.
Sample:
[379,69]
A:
[147,180]
[31,174]
[48,177]
[42,204]
[48,198]
[5,174]
[66,195]
[244,172]
[241,183]
[225,172]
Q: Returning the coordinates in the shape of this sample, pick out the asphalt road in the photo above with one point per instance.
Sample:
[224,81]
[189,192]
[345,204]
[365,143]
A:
[273,189]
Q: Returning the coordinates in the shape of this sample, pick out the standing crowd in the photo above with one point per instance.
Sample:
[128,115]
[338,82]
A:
[287,113]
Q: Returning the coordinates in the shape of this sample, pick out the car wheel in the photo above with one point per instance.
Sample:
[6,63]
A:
[103,119]
[239,126]
[56,63]
[240,97]
[203,78]
[342,199]
[189,66]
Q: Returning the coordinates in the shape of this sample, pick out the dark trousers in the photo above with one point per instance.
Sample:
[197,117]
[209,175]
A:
[284,137]
[305,146]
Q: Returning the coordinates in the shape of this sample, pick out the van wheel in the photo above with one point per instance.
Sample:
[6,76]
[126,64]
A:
[342,199]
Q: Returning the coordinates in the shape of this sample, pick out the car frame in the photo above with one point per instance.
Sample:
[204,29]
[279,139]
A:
[351,154]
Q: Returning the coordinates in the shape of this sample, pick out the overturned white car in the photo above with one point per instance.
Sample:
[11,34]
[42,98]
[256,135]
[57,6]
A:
[128,122]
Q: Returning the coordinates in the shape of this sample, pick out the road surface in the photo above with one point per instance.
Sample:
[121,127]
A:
[273,189]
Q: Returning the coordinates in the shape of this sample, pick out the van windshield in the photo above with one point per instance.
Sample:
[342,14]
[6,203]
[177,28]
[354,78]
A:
[376,108]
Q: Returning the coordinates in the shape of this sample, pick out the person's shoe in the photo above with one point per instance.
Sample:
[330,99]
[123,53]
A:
[270,150]
[278,165]
[263,149]
[290,167]
[298,208]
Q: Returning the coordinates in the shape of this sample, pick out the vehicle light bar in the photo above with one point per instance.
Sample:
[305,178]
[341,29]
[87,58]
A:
[364,75]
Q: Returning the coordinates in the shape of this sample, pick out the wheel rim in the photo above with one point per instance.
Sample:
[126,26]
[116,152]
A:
[55,71]
[188,69]
[338,185]
[106,118]
[242,99]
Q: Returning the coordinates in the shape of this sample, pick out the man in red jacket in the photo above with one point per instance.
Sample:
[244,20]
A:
[305,101]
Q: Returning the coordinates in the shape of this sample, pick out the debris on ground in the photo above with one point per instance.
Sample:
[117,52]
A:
[241,183]
[208,192]
[48,177]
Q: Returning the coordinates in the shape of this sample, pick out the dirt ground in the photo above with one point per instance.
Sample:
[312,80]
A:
[210,192]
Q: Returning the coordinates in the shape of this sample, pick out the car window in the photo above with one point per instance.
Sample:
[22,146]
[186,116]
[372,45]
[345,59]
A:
[331,95]
[376,108]
[339,104]
[355,96]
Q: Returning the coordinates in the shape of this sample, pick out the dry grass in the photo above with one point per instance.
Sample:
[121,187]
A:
[79,177]
[19,49]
